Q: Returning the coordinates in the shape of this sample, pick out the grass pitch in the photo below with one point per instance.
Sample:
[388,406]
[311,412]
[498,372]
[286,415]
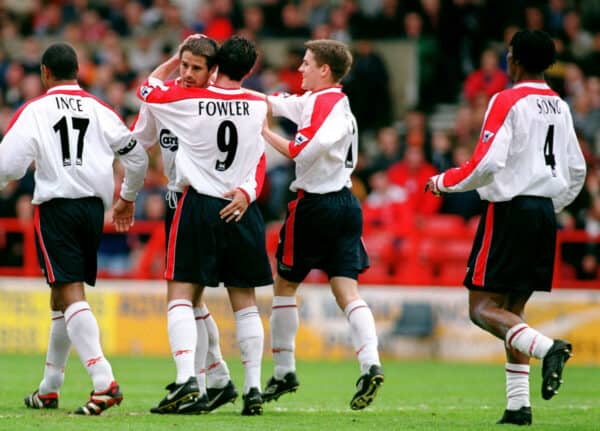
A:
[415,396]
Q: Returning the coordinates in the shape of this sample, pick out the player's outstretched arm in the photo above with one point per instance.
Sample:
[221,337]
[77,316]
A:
[278,142]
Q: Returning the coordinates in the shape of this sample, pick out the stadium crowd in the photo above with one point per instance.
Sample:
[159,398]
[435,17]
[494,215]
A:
[461,50]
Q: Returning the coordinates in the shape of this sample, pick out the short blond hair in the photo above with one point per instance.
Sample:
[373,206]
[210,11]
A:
[333,53]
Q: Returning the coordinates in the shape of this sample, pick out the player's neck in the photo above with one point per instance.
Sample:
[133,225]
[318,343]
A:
[529,77]
[226,82]
[54,83]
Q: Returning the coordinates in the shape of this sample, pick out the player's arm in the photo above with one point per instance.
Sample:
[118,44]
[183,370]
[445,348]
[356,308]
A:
[278,142]
[135,161]
[489,157]
[576,168]
[144,127]
[17,150]
[288,106]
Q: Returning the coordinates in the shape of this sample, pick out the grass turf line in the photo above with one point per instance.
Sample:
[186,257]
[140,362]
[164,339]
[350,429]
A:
[415,396]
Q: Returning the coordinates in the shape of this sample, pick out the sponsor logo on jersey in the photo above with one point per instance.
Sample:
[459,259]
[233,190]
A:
[145,91]
[487,135]
[300,139]
[168,141]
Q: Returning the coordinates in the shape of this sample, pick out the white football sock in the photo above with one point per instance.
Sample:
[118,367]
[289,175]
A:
[84,333]
[182,337]
[364,334]
[284,324]
[59,345]
[250,338]
[528,341]
[217,372]
[517,386]
[201,349]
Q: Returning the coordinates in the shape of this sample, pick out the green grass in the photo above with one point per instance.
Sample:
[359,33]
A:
[415,396]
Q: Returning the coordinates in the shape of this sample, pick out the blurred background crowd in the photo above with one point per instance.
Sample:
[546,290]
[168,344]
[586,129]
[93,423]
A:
[458,54]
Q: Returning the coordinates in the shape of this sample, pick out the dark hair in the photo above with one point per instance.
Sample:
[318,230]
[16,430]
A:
[202,46]
[332,53]
[533,49]
[236,57]
[60,58]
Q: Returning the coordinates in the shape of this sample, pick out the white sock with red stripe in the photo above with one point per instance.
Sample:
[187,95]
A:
[182,337]
[284,324]
[250,338]
[217,372]
[84,333]
[201,349]
[528,341]
[517,386]
[59,345]
[364,335]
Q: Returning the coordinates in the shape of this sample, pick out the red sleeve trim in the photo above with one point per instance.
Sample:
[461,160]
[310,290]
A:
[245,194]
[494,121]
[261,170]
[323,106]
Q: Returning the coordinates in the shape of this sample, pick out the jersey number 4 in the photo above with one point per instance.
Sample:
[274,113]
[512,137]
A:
[62,128]
[549,148]
[227,141]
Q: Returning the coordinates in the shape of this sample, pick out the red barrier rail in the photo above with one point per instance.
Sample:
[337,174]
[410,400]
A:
[434,252]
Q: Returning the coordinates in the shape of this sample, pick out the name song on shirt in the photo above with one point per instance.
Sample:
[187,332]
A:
[70,103]
[223,107]
[548,106]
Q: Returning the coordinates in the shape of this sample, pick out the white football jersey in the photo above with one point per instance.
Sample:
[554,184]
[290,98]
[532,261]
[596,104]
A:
[73,138]
[527,146]
[216,133]
[147,132]
[325,147]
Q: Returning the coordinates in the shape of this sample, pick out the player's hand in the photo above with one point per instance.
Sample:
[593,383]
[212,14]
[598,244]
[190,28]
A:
[236,208]
[432,186]
[122,215]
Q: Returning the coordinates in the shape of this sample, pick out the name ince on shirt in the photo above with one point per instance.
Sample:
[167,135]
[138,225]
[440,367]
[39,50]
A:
[70,103]
[223,107]
[548,106]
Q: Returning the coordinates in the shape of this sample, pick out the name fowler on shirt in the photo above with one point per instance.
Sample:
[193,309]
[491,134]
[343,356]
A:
[223,108]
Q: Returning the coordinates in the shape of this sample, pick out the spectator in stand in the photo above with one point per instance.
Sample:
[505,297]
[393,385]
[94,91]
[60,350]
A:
[591,62]
[427,57]
[441,150]
[367,87]
[388,150]
[577,40]
[289,73]
[465,204]
[412,173]
[488,80]
[339,24]
[294,23]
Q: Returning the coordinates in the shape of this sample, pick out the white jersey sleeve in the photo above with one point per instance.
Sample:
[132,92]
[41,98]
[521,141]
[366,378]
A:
[18,148]
[288,106]
[576,169]
[527,146]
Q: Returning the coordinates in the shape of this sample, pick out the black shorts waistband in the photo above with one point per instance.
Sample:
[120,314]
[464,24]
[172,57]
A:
[303,193]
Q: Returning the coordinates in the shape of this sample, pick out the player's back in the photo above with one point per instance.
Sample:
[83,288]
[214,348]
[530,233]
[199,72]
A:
[218,133]
[542,131]
[71,135]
